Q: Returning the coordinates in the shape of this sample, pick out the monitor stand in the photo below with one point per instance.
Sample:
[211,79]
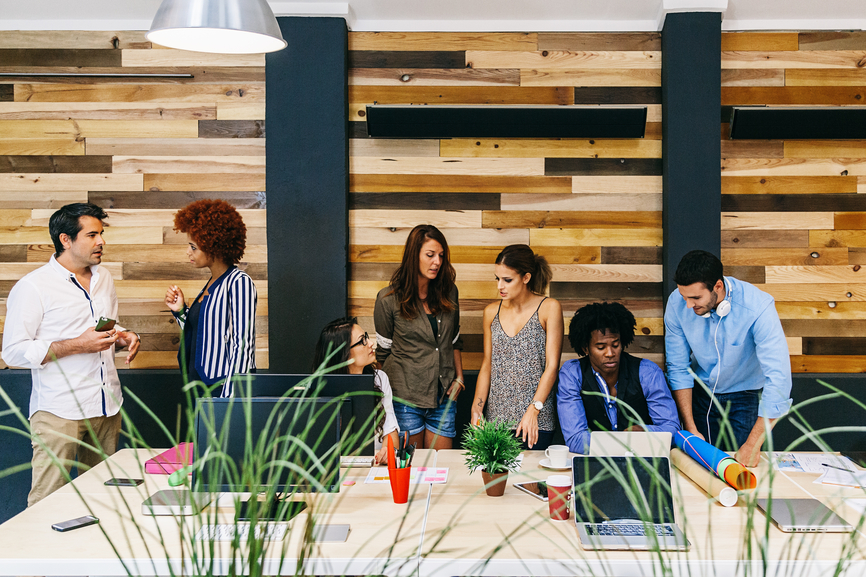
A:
[277,510]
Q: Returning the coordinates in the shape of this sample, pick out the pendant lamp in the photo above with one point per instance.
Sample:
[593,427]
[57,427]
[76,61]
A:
[220,26]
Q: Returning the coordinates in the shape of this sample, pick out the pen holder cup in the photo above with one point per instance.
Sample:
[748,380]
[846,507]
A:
[400,484]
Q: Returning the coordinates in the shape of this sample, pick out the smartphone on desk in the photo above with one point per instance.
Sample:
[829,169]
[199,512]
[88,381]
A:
[121,482]
[75,523]
[537,489]
[105,324]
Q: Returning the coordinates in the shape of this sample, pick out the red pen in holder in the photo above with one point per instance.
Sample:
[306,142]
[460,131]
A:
[399,478]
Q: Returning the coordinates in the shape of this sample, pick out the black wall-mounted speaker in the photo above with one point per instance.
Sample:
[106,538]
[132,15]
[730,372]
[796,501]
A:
[420,121]
[793,123]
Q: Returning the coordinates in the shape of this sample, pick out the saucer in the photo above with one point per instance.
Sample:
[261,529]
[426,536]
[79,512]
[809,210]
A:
[545,463]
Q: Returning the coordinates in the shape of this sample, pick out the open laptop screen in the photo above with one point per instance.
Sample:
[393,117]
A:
[616,488]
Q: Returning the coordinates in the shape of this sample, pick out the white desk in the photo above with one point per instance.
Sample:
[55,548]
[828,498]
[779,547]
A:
[452,529]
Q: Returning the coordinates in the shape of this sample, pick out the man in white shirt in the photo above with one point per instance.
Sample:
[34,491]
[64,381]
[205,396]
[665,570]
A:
[51,317]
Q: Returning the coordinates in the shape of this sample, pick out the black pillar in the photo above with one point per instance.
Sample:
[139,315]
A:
[691,149]
[307,187]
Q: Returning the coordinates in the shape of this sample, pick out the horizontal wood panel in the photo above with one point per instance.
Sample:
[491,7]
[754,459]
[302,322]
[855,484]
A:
[151,217]
[824,328]
[532,148]
[788,184]
[559,59]
[39,199]
[590,77]
[639,41]
[764,41]
[410,218]
[148,271]
[828,364]
[807,77]
[36,57]
[430,201]
[13,253]
[801,292]
[99,128]
[150,253]
[595,237]
[448,166]
[15,270]
[617,184]
[470,254]
[360,95]
[795,203]
[570,219]
[594,291]
[825,148]
[829,40]
[39,235]
[202,182]
[68,146]
[834,346]
[455,237]
[602,166]
[821,310]
[631,255]
[187,164]
[422,41]
[752,149]
[393,147]
[174,200]
[767,95]
[618,95]
[68,39]
[622,203]
[816,274]
[433,77]
[406,59]
[231,129]
[240,111]
[750,274]
[753,77]
[849,220]
[67,182]
[106,111]
[855,238]
[54,164]
[458,183]
[57,92]
[784,256]
[769,221]
[792,59]
[175,146]
[169,57]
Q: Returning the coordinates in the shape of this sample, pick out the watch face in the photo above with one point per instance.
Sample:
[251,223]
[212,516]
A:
[538,405]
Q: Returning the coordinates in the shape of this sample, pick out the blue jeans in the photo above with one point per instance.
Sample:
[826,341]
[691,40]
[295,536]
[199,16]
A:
[742,408]
[441,420]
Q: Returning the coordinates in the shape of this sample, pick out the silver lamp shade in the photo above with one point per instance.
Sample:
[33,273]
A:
[220,26]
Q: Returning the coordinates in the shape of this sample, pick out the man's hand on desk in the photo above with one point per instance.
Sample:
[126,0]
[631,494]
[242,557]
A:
[749,454]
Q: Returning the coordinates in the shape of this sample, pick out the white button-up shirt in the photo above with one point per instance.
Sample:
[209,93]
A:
[50,305]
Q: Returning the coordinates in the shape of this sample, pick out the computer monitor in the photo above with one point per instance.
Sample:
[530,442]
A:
[357,393]
[275,446]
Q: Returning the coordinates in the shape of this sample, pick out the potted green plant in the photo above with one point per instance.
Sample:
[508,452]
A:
[492,447]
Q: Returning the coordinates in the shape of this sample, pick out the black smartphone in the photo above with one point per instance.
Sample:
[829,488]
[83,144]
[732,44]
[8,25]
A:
[105,324]
[75,523]
[120,482]
[537,489]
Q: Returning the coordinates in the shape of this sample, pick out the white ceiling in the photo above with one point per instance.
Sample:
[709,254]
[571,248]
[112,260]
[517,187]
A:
[465,15]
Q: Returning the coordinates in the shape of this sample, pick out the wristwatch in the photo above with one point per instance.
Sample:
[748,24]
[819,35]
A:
[538,405]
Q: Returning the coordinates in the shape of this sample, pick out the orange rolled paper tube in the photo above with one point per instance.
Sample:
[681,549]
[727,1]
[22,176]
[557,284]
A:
[740,478]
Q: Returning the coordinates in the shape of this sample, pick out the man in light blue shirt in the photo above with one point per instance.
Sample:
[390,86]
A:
[608,389]
[729,333]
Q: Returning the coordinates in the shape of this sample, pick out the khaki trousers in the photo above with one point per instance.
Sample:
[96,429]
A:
[49,476]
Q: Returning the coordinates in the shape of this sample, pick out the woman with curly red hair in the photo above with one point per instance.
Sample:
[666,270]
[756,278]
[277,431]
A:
[218,326]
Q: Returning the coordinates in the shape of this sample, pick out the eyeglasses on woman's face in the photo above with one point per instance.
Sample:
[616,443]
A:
[362,341]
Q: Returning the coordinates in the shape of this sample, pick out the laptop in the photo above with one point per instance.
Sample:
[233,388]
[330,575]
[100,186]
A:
[625,503]
[630,444]
[803,516]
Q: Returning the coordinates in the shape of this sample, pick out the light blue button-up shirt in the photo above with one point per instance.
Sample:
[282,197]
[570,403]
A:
[751,344]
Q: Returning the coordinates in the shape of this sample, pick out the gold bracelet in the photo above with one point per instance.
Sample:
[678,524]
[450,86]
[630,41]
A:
[459,382]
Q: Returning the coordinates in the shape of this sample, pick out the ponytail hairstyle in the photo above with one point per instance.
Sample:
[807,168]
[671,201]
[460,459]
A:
[520,258]
[404,281]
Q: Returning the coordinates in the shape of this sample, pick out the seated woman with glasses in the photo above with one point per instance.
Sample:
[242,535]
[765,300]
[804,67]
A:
[353,345]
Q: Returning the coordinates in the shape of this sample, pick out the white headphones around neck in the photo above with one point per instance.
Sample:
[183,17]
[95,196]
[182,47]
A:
[723,309]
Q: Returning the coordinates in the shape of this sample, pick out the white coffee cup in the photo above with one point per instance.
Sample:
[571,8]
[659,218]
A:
[558,455]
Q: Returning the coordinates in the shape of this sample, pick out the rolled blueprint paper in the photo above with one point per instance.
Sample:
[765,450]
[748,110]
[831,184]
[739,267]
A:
[715,460]
[704,479]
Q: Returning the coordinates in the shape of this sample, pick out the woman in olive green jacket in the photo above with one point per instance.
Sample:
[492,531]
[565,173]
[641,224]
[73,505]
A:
[418,336]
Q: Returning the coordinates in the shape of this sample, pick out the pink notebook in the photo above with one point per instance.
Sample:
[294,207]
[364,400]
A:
[170,461]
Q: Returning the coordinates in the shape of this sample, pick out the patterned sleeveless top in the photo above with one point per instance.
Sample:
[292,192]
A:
[516,369]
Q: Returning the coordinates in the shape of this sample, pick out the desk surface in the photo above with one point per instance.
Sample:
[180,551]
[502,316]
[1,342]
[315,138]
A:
[449,529]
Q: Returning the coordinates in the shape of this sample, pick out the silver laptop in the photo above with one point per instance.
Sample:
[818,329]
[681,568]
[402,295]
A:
[630,444]
[803,516]
[625,503]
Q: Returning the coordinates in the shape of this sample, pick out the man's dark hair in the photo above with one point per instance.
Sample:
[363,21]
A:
[603,317]
[67,220]
[699,266]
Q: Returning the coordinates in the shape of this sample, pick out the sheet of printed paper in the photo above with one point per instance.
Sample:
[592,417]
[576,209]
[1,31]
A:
[416,476]
[810,462]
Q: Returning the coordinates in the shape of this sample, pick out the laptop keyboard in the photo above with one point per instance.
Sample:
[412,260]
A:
[226,532]
[627,529]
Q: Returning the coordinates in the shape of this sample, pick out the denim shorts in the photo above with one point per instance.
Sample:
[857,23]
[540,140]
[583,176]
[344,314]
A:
[440,421]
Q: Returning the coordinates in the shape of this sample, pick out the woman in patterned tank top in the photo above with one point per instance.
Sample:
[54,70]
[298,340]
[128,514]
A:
[522,346]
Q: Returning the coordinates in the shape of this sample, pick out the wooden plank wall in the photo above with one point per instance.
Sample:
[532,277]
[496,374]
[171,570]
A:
[794,212]
[141,147]
[592,207]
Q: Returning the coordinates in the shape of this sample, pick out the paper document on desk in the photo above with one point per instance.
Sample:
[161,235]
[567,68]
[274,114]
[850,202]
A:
[809,462]
[417,476]
[843,478]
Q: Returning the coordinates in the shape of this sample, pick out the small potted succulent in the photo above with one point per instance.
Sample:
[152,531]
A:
[492,447]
